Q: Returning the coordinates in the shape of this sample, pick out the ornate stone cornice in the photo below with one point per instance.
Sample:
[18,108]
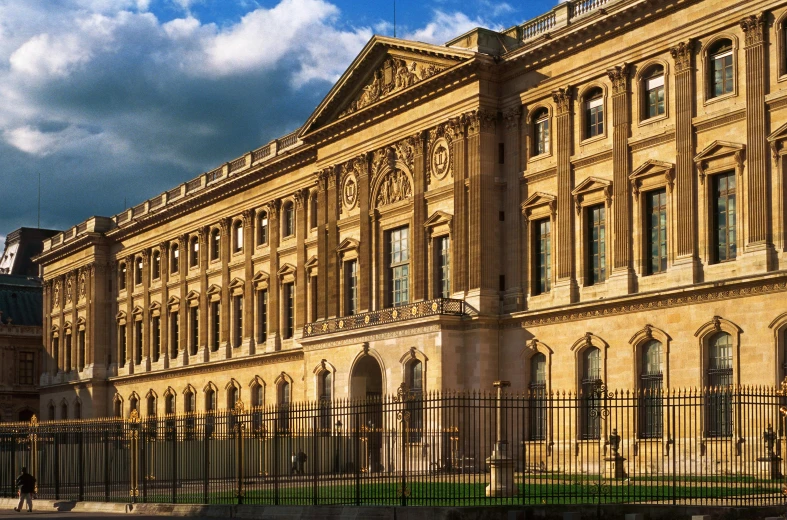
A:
[753,27]
[562,99]
[619,76]
[682,53]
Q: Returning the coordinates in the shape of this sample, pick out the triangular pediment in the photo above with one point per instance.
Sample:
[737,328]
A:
[213,289]
[311,262]
[285,270]
[719,149]
[438,218]
[192,295]
[155,306]
[237,283]
[590,185]
[173,300]
[384,68]
[651,167]
[539,198]
[348,244]
[779,134]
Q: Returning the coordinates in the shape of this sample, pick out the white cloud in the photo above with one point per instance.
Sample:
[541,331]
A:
[444,27]
[44,55]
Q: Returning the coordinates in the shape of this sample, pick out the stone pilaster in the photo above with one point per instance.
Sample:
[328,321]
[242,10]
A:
[420,266]
[332,244]
[183,310]
[685,176]
[147,330]
[566,288]
[248,275]
[622,279]
[164,320]
[129,314]
[512,252]
[759,233]
[204,235]
[301,287]
[365,245]
[225,253]
[274,338]
[322,245]
[457,127]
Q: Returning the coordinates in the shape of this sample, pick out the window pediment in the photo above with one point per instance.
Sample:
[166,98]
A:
[236,286]
[348,245]
[652,174]
[213,292]
[192,296]
[311,265]
[260,280]
[776,141]
[439,221]
[720,156]
[286,273]
[155,309]
[591,191]
[173,303]
[539,204]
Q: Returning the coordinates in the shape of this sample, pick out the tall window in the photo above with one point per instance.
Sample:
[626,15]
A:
[288,300]
[189,402]
[237,236]
[156,265]
[215,321]
[56,351]
[594,113]
[650,384]
[194,330]
[138,271]
[326,388]
[591,377]
[138,342]
[415,404]
[194,252]
[174,334]
[122,354]
[597,247]
[257,401]
[654,93]
[77,410]
[122,277]
[718,379]
[232,397]
[133,404]
[656,232]
[169,404]
[537,398]
[237,322]
[156,326]
[444,267]
[26,371]
[262,316]
[288,220]
[68,353]
[81,349]
[399,266]
[543,249]
[724,216]
[541,132]
[51,411]
[64,411]
[215,244]
[313,211]
[721,70]
[210,408]
[175,255]
[262,228]
[151,406]
[351,287]
[284,406]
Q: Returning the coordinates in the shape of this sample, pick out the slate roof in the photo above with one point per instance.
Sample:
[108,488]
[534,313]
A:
[21,300]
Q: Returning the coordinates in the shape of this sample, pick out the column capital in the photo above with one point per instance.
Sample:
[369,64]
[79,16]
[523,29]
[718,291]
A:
[619,77]
[481,120]
[562,98]
[682,53]
[512,117]
[753,29]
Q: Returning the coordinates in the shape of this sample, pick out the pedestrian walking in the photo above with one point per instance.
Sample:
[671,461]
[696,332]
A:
[294,460]
[301,461]
[26,486]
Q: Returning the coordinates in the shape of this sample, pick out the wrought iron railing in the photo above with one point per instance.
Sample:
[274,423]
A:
[415,449]
[437,307]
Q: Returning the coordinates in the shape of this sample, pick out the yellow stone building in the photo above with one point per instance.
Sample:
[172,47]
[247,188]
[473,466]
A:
[598,193]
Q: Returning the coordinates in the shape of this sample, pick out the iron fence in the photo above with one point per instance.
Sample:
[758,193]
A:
[713,446]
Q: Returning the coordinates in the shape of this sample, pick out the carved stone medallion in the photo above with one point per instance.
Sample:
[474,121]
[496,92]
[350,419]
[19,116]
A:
[440,158]
[350,192]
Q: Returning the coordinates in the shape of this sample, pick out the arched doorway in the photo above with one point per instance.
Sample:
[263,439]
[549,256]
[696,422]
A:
[366,387]
[25,415]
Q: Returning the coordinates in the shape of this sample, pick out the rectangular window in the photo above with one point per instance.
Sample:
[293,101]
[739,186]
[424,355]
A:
[215,321]
[597,247]
[542,135]
[26,368]
[238,237]
[174,334]
[724,216]
[81,349]
[543,249]
[238,320]
[156,325]
[175,259]
[351,287]
[262,316]
[594,115]
[289,310]
[313,287]
[68,353]
[722,73]
[194,326]
[655,99]
[122,345]
[444,267]
[656,232]
[399,266]
[138,342]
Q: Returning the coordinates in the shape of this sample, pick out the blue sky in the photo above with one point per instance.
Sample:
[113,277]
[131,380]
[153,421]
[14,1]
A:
[118,100]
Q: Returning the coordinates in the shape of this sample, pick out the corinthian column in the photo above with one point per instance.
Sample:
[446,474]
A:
[566,288]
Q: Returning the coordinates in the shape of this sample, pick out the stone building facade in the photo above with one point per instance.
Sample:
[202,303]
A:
[596,194]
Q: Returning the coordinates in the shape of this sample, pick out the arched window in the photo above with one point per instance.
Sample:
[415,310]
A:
[288,220]
[138,271]
[51,412]
[189,404]
[215,244]
[133,404]
[194,252]
[326,391]
[414,374]
[537,401]
[232,397]
[313,210]
[64,411]
[151,406]
[118,409]
[169,404]
[541,137]
[122,276]
[237,236]
[591,378]
[257,401]
[593,105]
[718,381]
[175,257]
[156,264]
[77,410]
[284,405]
[650,385]
[653,92]
[720,67]
[262,228]
[210,400]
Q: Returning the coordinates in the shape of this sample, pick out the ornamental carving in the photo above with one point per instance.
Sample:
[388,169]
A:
[56,295]
[394,187]
[350,191]
[619,77]
[82,284]
[753,28]
[406,149]
[440,159]
[479,120]
[512,117]
[69,289]
[395,74]
[562,99]
[682,54]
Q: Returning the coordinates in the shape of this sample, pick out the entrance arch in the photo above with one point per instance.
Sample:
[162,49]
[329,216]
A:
[366,388]
[366,380]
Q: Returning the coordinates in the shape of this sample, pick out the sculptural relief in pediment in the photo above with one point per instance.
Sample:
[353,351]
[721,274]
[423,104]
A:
[394,75]
[395,187]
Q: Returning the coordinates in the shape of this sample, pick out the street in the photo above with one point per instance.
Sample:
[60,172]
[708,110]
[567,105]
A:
[72,516]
